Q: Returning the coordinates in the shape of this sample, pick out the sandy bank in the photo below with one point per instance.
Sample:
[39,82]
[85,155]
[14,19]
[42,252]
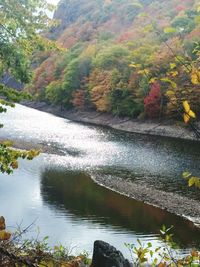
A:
[172,202]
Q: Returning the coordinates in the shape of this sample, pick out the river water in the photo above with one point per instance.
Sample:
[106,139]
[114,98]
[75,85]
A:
[55,190]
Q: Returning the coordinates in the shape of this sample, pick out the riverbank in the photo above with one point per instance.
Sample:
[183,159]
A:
[171,202]
[169,129]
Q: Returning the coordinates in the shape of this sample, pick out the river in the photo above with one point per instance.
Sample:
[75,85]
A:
[56,192]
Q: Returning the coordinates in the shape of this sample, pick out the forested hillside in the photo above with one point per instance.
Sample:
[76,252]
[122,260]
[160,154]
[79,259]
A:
[136,58]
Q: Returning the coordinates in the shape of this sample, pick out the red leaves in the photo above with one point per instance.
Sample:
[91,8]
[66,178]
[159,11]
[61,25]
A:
[152,102]
[44,74]
[180,8]
[125,37]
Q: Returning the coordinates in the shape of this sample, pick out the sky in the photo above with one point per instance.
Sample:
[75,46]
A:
[53,1]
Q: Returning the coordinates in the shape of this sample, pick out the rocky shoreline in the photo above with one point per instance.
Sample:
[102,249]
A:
[168,201]
[172,129]
[171,202]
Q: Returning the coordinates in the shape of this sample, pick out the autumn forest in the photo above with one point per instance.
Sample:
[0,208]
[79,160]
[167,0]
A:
[130,58]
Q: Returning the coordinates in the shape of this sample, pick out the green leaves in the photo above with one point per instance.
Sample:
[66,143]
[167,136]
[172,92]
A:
[20,23]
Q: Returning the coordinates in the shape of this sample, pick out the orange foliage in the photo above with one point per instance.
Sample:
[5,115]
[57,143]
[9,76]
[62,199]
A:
[163,56]
[78,100]
[68,37]
[99,82]
[124,37]
[44,75]
[193,34]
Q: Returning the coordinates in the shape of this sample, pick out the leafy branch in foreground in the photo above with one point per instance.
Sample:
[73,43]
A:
[21,24]
[18,252]
[162,256]
[9,157]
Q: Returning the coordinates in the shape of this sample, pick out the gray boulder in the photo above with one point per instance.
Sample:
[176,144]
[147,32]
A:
[105,255]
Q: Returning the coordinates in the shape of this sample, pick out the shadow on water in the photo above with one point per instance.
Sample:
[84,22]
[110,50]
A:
[75,193]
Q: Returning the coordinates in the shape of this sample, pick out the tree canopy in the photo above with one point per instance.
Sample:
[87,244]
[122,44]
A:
[20,24]
[129,58]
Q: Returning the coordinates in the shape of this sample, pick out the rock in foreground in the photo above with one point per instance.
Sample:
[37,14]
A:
[105,255]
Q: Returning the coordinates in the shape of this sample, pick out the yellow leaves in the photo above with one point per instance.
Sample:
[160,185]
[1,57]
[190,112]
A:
[192,180]
[186,106]
[174,73]
[187,109]
[134,65]
[4,235]
[144,71]
[167,80]
[2,223]
[188,112]
[172,65]
[195,77]
[139,69]
[170,93]
[186,118]
[152,80]
[169,30]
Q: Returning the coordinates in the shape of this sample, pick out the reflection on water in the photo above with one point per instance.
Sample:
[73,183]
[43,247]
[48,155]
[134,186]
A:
[76,193]
[56,188]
